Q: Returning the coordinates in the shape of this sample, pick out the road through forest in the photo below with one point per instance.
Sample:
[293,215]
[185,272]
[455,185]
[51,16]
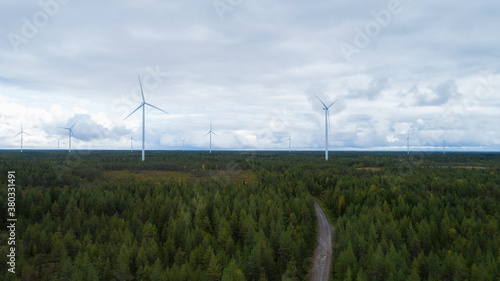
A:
[323,253]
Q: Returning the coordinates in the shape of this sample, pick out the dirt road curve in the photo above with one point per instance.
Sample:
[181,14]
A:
[324,249]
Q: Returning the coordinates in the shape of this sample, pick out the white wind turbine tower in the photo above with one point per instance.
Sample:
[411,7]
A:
[143,105]
[327,116]
[408,143]
[290,144]
[210,133]
[131,139]
[58,139]
[21,133]
[70,133]
[183,144]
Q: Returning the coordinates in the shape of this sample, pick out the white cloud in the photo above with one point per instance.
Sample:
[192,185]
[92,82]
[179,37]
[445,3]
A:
[432,71]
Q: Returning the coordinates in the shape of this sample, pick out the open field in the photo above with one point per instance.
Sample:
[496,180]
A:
[378,169]
[180,176]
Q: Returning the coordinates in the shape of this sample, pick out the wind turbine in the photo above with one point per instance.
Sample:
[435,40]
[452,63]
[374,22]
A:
[70,133]
[58,139]
[143,105]
[290,144]
[183,144]
[131,139]
[327,116]
[210,133]
[21,133]
[408,143]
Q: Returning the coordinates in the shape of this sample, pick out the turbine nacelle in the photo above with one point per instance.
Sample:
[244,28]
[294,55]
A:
[326,107]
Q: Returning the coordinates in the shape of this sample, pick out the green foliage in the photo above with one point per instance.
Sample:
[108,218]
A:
[430,219]
[249,216]
[232,272]
[108,216]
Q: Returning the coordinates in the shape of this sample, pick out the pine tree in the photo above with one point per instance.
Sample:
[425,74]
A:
[157,271]
[121,269]
[254,267]
[284,251]
[65,270]
[232,272]
[84,269]
[376,267]
[413,275]
[214,270]
[346,259]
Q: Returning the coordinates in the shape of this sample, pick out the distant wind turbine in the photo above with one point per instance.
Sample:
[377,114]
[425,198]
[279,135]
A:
[210,133]
[444,147]
[290,144]
[143,105]
[58,139]
[131,139]
[70,133]
[408,143]
[21,133]
[327,117]
[183,144]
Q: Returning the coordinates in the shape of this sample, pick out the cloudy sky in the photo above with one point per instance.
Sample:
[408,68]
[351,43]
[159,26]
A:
[430,69]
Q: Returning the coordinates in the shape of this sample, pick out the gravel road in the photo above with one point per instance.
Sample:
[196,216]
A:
[324,249]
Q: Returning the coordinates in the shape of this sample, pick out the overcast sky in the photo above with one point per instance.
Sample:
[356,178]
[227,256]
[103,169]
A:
[430,69]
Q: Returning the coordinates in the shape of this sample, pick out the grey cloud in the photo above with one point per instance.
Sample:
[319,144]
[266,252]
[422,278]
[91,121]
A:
[86,129]
[440,95]
[358,118]
[374,89]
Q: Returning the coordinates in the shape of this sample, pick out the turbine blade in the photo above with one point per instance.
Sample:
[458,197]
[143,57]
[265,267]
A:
[142,93]
[332,103]
[73,125]
[63,128]
[133,111]
[214,133]
[320,100]
[156,107]
[17,135]
[207,133]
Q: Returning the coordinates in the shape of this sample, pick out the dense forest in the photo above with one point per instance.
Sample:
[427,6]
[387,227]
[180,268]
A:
[416,222]
[250,216]
[100,218]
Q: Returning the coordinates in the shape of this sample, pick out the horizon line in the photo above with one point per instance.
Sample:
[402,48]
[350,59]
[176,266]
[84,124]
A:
[250,150]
